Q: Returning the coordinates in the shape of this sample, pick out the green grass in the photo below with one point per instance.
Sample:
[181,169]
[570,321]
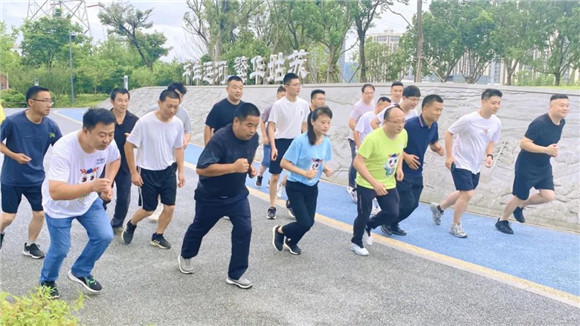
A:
[81,100]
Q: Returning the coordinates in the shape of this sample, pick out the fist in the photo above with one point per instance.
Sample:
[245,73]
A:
[241,165]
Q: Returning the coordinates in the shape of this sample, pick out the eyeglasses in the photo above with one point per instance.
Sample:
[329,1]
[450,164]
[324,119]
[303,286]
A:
[46,101]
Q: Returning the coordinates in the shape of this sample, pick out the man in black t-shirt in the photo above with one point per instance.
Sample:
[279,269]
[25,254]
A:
[533,168]
[222,113]
[222,168]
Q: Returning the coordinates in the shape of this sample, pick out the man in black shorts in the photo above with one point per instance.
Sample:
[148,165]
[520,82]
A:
[533,168]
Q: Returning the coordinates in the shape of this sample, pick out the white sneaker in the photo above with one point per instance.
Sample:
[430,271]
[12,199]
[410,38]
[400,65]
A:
[352,192]
[358,250]
[154,218]
[367,238]
[280,190]
[436,214]
[457,231]
[376,208]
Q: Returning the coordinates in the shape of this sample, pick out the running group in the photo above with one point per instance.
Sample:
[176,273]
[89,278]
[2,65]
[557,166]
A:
[115,148]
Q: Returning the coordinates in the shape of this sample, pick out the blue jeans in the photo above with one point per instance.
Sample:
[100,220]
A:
[266,158]
[100,233]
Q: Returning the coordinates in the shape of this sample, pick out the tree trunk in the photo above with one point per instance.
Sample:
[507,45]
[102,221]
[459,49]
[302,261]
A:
[362,56]
[558,77]
[418,69]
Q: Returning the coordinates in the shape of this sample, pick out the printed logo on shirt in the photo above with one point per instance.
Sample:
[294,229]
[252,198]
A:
[51,135]
[391,164]
[100,160]
[87,176]
[316,163]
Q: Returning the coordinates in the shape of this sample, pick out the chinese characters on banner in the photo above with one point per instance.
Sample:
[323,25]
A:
[216,72]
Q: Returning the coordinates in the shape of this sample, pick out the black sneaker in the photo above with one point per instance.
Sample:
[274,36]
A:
[53,290]
[89,282]
[271,213]
[259,181]
[277,238]
[386,230]
[128,233]
[1,239]
[157,240]
[396,230]
[519,215]
[504,227]
[294,249]
[33,251]
[289,208]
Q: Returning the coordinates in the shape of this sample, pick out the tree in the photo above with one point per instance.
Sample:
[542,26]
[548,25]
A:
[9,59]
[129,23]
[382,64]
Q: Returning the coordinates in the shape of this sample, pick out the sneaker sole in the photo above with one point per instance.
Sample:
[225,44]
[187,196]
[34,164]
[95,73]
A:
[458,236]
[181,269]
[270,218]
[241,286]
[157,244]
[291,214]
[27,253]
[274,238]
[359,254]
[290,249]
[74,279]
[123,237]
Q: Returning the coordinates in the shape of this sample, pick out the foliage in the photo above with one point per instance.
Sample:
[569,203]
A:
[8,56]
[37,308]
[10,98]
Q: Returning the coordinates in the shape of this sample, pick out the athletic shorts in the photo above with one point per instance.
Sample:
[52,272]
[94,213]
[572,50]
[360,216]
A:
[12,195]
[266,159]
[162,183]
[463,179]
[536,177]
[282,146]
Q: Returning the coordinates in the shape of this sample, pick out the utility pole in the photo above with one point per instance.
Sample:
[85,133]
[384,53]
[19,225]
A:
[418,70]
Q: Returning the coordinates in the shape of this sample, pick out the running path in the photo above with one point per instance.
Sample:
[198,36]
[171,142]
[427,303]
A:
[537,259]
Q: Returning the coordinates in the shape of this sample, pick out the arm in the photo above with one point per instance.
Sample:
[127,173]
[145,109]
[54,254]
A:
[361,168]
[111,170]
[528,145]
[241,165]
[266,140]
[304,127]
[18,157]
[351,123]
[356,135]
[186,138]
[129,155]
[375,123]
[435,147]
[59,190]
[399,173]
[489,155]
[207,134]
[271,134]
[287,165]
[448,147]
[179,158]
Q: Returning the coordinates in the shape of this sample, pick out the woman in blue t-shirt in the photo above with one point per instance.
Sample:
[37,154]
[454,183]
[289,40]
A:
[306,160]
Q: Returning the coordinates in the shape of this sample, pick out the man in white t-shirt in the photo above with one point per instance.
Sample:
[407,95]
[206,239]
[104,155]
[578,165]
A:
[287,120]
[70,191]
[158,137]
[363,126]
[476,133]
[411,97]
[362,106]
[396,92]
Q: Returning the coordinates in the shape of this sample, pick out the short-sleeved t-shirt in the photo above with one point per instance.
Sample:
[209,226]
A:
[474,133]
[420,136]
[360,108]
[71,164]
[409,115]
[221,114]
[155,141]
[288,117]
[308,157]
[24,136]
[543,132]
[181,113]
[363,126]
[120,129]
[265,115]
[224,148]
[382,155]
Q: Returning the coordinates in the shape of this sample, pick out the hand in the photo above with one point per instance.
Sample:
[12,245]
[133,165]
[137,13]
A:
[310,174]
[400,175]
[439,150]
[241,165]
[107,196]
[266,141]
[412,161]
[449,161]
[180,179]
[273,154]
[126,135]
[252,171]
[136,179]
[21,158]
[488,161]
[552,150]
[328,171]
[101,185]
[380,189]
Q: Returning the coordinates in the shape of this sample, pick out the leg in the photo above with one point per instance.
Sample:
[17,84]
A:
[206,217]
[96,222]
[59,231]
[35,226]
[450,200]
[542,197]
[240,216]
[351,170]
[364,205]
[123,183]
[11,197]
[510,206]
[408,201]
[165,218]
[303,199]
[7,219]
[273,187]
[461,205]
[139,215]
[389,209]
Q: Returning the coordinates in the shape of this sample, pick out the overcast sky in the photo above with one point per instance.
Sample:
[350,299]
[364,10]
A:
[167,18]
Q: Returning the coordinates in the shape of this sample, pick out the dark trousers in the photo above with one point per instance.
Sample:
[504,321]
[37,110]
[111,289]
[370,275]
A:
[303,199]
[123,199]
[352,170]
[409,193]
[389,211]
[206,216]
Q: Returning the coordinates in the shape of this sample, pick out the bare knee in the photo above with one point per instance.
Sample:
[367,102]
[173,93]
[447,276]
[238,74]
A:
[467,195]
[168,209]
[8,218]
[548,195]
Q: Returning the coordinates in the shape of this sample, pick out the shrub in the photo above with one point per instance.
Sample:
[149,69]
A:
[12,99]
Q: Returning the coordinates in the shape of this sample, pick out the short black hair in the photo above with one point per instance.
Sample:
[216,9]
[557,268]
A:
[365,86]
[177,87]
[389,109]
[430,99]
[95,116]
[558,97]
[315,92]
[236,78]
[289,77]
[281,89]
[168,93]
[396,83]
[119,90]
[411,91]
[32,91]
[384,99]
[246,109]
[490,92]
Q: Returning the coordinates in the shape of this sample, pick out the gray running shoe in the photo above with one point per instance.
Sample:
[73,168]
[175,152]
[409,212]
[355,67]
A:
[457,231]
[436,213]
[242,282]
[271,213]
[185,265]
